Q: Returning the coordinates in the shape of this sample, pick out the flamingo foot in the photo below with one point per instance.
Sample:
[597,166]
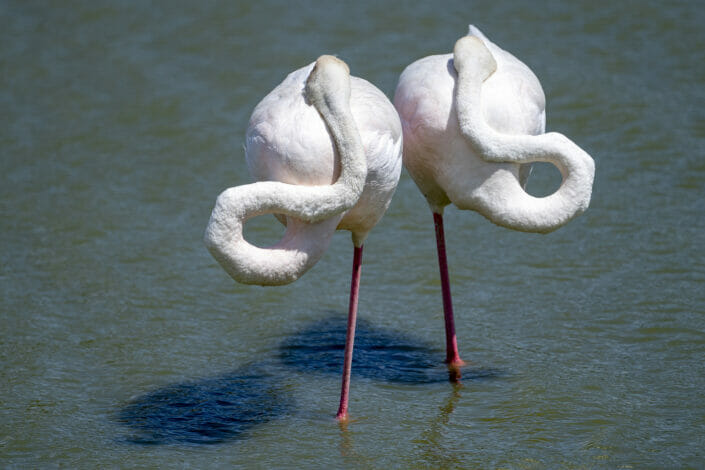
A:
[454,369]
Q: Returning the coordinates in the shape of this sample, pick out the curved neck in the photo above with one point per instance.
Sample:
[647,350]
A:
[314,211]
[328,90]
[515,208]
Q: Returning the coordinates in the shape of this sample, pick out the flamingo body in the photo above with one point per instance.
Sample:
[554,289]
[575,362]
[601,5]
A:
[325,148]
[473,122]
[447,166]
[288,141]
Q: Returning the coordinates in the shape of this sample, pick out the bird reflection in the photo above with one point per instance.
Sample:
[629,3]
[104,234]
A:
[431,442]
[430,446]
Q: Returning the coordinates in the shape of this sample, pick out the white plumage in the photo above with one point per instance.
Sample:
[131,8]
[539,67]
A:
[465,140]
[325,148]
[473,122]
[291,153]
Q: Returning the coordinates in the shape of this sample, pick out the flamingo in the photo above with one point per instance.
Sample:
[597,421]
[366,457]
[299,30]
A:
[473,122]
[325,149]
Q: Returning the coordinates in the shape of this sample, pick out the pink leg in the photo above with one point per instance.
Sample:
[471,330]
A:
[452,356]
[350,337]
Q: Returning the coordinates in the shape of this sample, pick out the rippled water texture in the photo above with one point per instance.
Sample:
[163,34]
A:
[124,344]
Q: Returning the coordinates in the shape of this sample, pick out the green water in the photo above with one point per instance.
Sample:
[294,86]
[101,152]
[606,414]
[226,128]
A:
[124,344]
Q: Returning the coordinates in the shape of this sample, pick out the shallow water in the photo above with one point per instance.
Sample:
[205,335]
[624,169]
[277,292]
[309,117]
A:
[124,344]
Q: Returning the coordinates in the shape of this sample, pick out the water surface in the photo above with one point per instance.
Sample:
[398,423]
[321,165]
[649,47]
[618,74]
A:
[124,344]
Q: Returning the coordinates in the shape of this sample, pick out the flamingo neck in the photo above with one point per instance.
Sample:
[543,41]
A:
[503,200]
[328,89]
[314,210]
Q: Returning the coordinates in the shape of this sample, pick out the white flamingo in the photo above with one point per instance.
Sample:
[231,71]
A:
[325,148]
[472,121]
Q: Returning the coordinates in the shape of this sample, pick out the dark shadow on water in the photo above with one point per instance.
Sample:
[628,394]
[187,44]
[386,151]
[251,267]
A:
[207,411]
[224,408]
[379,354]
